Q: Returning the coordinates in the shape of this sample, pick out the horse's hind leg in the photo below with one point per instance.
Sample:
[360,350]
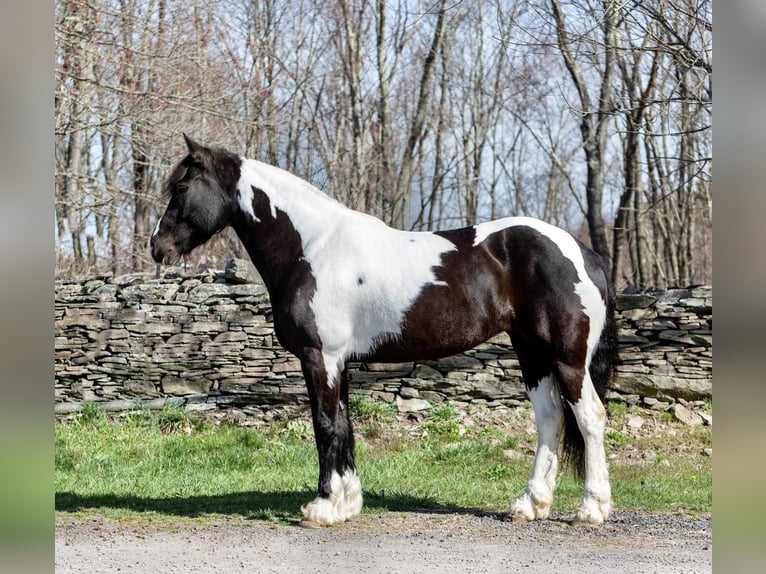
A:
[339,492]
[535,502]
[579,392]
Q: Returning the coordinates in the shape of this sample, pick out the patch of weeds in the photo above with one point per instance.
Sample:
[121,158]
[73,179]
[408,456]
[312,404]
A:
[367,410]
[65,459]
[498,472]
[442,424]
[298,429]
[491,433]
[370,415]
[173,419]
[90,415]
[251,439]
[617,439]
[443,413]
[667,417]
[703,435]
[138,419]
[462,454]
[617,410]
[370,430]
[446,431]
[511,442]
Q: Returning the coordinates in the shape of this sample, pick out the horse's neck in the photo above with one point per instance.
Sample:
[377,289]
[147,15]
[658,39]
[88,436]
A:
[280,217]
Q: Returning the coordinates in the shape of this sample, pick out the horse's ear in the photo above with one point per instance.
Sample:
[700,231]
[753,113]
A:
[192,145]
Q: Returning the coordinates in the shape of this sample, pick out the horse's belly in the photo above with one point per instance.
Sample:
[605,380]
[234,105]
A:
[440,333]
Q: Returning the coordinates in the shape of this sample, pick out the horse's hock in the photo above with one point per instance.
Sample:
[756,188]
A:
[207,342]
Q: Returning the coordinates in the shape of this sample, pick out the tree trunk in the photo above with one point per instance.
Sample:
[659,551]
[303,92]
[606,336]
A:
[402,192]
[594,120]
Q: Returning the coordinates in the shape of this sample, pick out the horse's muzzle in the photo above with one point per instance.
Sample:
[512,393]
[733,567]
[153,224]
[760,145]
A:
[162,252]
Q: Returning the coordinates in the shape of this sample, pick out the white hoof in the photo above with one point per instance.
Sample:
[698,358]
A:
[320,512]
[592,512]
[345,501]
[352,494]
[528,508]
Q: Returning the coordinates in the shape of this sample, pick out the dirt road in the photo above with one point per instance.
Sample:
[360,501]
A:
[412,542]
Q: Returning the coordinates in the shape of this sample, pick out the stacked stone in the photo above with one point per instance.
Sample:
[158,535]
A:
[133,342]
[207,342]
[666,345]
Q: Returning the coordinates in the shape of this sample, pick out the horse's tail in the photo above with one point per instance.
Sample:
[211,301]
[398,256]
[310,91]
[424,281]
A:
[601,367]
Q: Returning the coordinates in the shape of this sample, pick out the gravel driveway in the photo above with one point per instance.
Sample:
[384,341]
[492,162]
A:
[409,542]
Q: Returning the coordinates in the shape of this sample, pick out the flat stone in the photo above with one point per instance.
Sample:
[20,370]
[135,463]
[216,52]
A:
[634,421]
[141,388]
[426,372]
[432,397]
[388,367]
[117,405]
[636,301]
[685,415]
[459,362]
[411,405]
[174,386]
[67,408]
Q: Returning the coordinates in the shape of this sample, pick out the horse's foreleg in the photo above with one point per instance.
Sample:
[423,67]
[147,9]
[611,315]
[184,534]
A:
[339,492]
[352,486]
[536,501]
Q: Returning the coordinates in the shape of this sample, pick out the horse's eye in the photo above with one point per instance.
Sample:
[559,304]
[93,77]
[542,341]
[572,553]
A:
[182,186]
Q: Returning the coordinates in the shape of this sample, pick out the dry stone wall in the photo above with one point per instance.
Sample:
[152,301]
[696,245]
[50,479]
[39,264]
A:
[208,343]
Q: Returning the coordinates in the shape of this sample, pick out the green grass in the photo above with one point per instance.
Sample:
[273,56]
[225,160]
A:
[172,464]
[370,415]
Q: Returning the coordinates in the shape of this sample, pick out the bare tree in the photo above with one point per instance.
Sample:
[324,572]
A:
[586,114]
[594,112]
[415,131]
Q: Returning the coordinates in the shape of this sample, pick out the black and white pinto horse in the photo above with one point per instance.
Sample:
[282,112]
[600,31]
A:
[345,286]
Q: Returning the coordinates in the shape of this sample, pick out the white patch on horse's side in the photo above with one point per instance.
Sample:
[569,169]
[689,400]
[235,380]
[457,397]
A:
[367,279]
[536,501]
[367,274]
[590,296]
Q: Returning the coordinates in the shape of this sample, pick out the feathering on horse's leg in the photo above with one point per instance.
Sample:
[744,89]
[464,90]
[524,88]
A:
[339,492]
[535,503]
[323,510]
[352,486]
[590,415]
[597,499]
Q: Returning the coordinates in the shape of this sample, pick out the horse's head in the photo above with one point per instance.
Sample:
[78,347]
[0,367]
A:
[202,195]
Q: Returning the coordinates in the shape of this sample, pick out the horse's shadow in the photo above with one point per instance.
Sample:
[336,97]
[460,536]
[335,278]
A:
[279,506]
